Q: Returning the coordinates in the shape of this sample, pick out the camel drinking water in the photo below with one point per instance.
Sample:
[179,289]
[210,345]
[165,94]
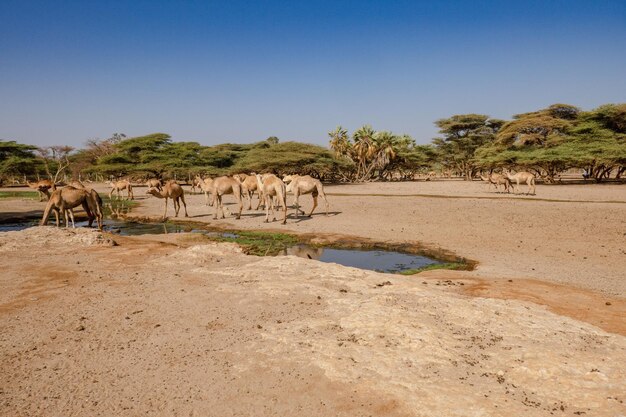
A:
[305,184]
[273,187]
[522,177]
[64,200]
[42,188]
[173,191]
[222,186]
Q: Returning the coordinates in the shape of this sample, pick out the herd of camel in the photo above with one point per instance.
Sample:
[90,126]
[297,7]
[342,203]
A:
[271,190]
[506,179]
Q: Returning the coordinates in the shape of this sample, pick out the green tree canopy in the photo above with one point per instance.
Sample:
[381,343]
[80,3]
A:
[463,134]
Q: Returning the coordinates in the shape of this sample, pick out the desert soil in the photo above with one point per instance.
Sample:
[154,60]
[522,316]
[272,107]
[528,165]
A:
[176,325]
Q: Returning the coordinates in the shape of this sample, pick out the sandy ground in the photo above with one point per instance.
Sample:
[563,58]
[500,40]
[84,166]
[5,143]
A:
[578,239]
[173,325]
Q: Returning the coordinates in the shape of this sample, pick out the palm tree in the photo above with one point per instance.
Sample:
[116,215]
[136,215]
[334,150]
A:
[364,148]
[340,142]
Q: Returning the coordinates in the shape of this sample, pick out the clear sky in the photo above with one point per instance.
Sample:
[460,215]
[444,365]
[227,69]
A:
[240,71]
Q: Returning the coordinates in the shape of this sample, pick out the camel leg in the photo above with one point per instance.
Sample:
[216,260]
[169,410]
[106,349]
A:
[249,199]
[240,201]
[296,195]
[90,214]
[176,206]
[314,194]
[216,204]
[267,208]
[283,202]
[182,197]
[165,212]
[260,198]
[111,194]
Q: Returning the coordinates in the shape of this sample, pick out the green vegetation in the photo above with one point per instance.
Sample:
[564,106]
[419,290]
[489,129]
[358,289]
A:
[547,142]
[370,154]
[31,195]
[259,243]
[457,266]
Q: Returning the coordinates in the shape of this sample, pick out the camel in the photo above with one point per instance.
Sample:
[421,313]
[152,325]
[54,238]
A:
[64,200]
[42,188]
[205,185]
[225,185]
[249,185]
[94,194]
[196,182]
[118,186]
[305,184]
[497,179]
[272,186]
[521,177]
[173,191]
[154,183]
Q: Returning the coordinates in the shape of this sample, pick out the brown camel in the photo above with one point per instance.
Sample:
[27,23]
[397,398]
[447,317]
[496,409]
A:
[64,200]
[497,179]
[173,191]
[42,188]
[305,184]
[522,177]
[154,183]
[94,194]
[249,185]
[118,186]
[273,187]
[221,186]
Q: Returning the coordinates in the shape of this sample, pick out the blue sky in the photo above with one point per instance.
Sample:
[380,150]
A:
[236,71]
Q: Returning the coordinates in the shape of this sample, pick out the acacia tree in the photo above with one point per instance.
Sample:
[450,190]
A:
[56,159]
[599,141]
[16,159]
[463,134]
[560,137]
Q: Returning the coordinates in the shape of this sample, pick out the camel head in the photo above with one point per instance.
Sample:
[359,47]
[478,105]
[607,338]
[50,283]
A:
[240,178]
[153,191]
[287,179]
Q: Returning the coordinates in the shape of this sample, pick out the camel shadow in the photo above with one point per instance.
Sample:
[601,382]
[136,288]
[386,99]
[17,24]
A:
[304,217]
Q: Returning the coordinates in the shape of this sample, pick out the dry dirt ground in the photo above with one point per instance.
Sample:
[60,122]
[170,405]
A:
[174,325]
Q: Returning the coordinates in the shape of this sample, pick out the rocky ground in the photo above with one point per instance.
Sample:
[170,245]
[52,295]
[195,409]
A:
[99,325]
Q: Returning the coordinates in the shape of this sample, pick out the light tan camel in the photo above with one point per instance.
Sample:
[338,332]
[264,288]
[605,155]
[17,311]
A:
[305,184]
[154,183]
[42,188]
[273,187]
[118,186]
[225,185]
[64,200]
[522,177]
[196,182]
[170,190]
[205,185]
[249,185]
[497,179]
